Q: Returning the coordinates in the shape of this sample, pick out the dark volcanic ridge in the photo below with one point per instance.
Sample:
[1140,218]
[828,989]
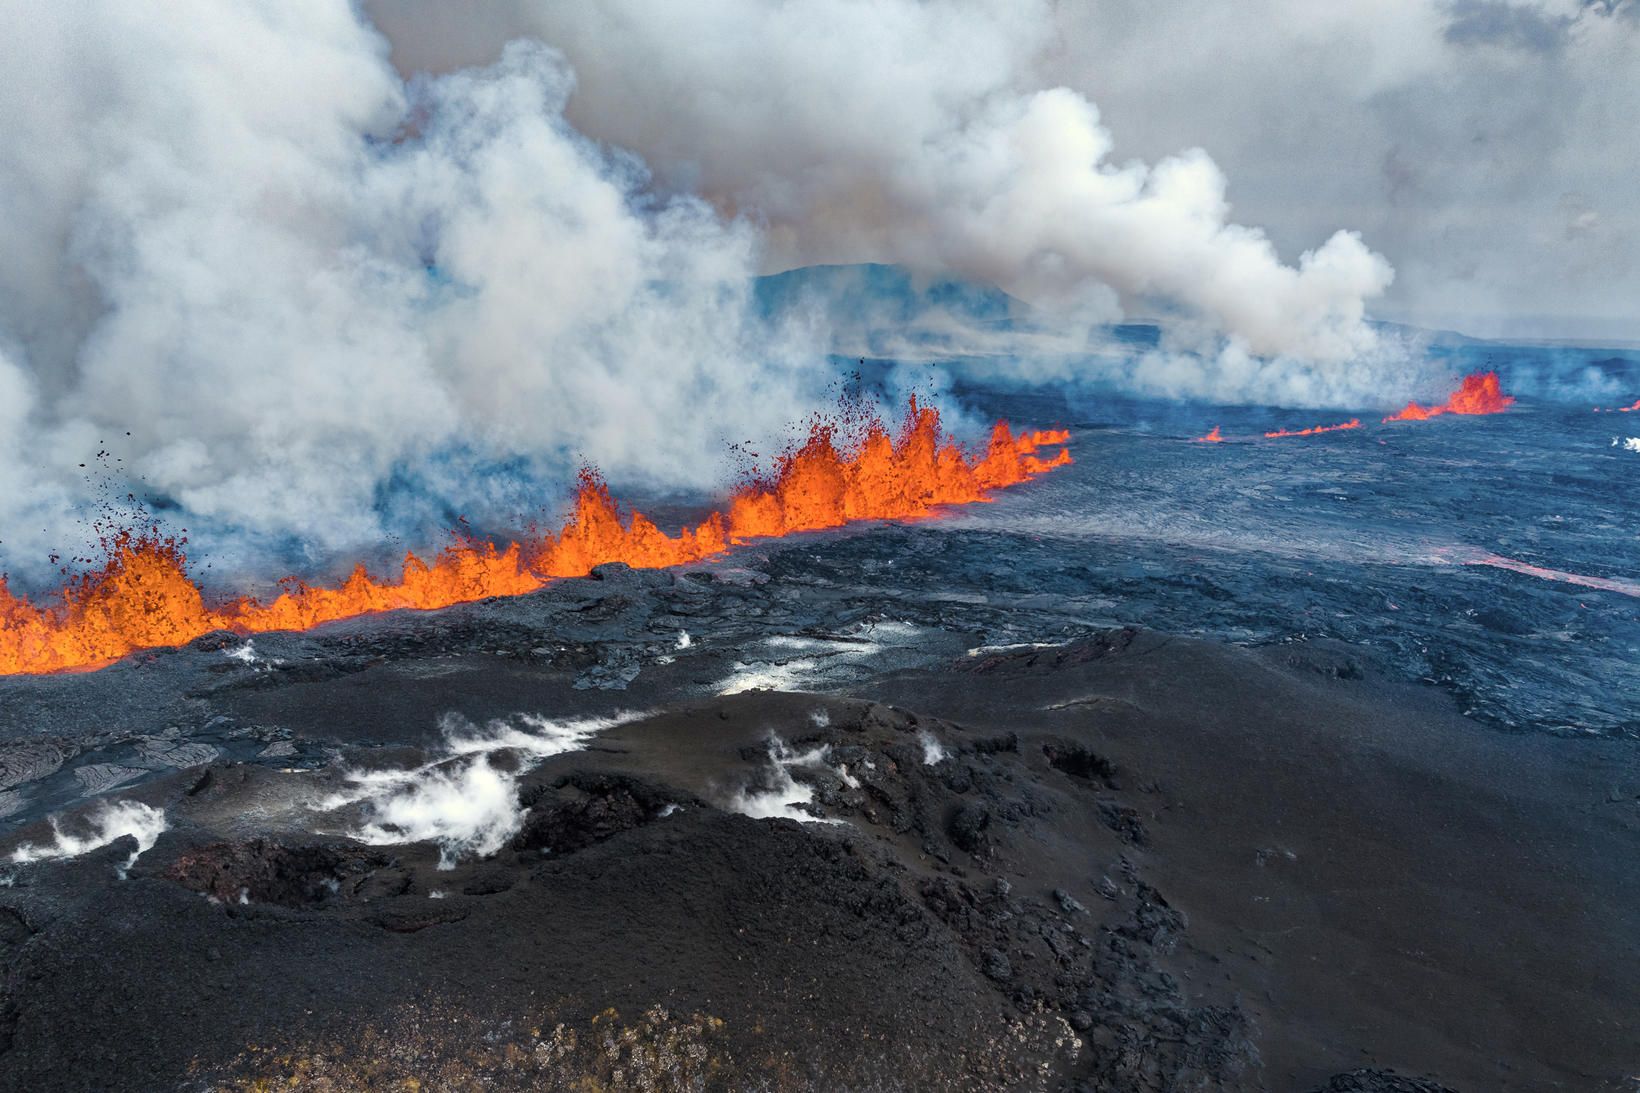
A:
[1127,862]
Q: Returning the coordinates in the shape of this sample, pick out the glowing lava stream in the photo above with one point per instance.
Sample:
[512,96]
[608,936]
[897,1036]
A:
[143,598]
[1353,423]
[1621,585]
[1479,393]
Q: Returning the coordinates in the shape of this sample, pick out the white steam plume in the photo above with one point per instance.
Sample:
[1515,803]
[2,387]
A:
[920,134]
[106,823]
[297,280]
[466,800]
[778,795]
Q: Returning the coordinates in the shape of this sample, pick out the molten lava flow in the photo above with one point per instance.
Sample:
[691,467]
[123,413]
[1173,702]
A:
[1212,437]
[1633,407]
[1353,423]
[1479,394]
[142,596]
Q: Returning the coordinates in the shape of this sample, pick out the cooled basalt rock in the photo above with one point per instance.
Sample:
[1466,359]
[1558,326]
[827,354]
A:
[1379,1081]
[262,871]
[581,809]
[1125,863]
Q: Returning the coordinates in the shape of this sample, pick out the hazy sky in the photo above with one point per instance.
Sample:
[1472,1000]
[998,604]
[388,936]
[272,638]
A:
[1490,150]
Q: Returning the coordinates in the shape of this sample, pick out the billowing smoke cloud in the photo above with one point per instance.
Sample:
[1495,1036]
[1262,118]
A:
[1472,140]
[920,134]
[314,287]
[308,289]
[1483,144]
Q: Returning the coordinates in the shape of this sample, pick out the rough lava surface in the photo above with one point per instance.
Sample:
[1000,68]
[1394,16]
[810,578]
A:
[818,838]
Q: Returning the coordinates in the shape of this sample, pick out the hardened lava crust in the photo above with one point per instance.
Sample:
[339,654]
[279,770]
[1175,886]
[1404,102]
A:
[804,847]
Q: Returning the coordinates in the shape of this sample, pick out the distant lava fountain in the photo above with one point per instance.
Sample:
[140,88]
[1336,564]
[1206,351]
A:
[1479,394]
[1353,423]
[142,596]
[1212,437]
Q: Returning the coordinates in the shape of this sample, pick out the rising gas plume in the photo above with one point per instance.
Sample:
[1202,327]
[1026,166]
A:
[921,134]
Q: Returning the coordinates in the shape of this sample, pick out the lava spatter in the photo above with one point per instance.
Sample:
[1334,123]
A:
[1480,393]
[142,597]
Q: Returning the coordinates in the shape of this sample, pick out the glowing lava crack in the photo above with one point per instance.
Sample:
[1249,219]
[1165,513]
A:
[1314,430]
[142,597]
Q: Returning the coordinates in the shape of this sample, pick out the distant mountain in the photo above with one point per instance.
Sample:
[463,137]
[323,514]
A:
[884,292]
[889,313]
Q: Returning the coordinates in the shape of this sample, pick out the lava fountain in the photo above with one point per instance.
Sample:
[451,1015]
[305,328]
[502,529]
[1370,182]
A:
[1353,423]
[1212,436]
[1479,393]
[142,596]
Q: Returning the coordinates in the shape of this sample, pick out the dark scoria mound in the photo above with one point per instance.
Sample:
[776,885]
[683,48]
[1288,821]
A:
[631,933]
[1125,864]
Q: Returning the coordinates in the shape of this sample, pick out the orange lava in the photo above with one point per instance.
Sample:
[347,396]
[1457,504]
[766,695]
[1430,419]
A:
[1212,437]
[1634,407]
[1353,423]
[142,596]
[1479,394]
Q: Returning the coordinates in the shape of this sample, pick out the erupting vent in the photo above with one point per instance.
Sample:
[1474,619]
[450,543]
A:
[1479,394]
[142,596]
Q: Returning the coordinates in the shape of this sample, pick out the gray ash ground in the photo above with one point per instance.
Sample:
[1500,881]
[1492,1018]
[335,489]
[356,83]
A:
[894,807]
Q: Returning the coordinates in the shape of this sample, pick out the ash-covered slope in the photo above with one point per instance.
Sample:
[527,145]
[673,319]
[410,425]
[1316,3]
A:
[1126,863]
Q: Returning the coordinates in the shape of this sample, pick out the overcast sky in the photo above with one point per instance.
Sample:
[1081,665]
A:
[1490,150]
